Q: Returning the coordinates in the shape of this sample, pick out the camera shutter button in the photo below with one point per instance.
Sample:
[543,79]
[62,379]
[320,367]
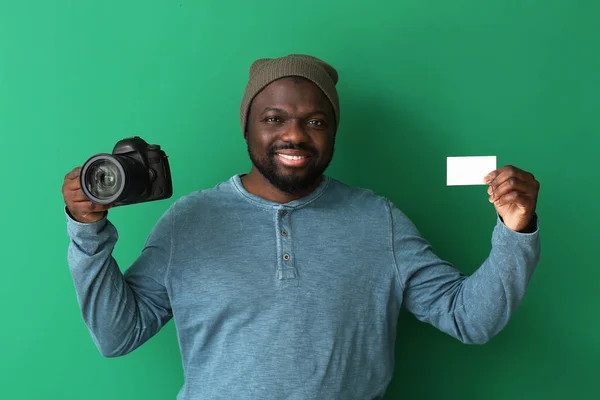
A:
[153,147]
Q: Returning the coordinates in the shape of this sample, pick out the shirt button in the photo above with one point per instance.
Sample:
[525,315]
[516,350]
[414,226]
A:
[284,233]
[286,257]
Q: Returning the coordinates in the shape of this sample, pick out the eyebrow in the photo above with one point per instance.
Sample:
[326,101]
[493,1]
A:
[282,111]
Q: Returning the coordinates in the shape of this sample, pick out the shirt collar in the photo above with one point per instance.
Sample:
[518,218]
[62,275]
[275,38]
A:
[236,181]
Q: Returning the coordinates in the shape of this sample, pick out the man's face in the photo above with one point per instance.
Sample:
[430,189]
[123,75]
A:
[291,134]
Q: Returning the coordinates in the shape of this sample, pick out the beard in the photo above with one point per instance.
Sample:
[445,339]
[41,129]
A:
[297,181]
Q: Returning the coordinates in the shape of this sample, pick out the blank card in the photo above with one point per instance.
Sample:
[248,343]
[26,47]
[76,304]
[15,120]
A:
[469,170]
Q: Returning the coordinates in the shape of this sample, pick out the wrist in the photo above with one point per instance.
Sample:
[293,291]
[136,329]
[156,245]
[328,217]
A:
[531,227]
[95,217]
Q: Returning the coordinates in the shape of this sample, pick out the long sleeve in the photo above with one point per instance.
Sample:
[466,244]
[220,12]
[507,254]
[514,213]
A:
[474,308]
[121,310]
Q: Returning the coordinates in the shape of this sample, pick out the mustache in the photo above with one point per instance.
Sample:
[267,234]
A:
[290,146]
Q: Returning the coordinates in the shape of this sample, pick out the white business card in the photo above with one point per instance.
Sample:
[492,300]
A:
[469,170]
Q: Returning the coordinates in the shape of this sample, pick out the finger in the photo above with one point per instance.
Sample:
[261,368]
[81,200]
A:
[73,174]
[71,190]
[72,180]
[498,176]
[70,193]
[76,196]
[509,185]
[514,197]
[72,185]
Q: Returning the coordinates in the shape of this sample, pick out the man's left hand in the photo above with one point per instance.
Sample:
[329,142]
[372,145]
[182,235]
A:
[514,193]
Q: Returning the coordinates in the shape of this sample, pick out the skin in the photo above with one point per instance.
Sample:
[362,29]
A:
[514,193]
[292,116]
[80,207]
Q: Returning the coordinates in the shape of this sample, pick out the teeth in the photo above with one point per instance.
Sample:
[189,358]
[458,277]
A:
[292,157]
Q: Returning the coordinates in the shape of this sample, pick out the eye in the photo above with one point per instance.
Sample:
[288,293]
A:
[317,122]
[272,119]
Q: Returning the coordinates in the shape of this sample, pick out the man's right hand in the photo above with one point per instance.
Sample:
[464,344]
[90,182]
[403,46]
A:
[80,207]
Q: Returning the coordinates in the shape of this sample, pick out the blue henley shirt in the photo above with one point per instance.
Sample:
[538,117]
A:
[293,301]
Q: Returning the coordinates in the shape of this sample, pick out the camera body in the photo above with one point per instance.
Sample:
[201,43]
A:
[135,172]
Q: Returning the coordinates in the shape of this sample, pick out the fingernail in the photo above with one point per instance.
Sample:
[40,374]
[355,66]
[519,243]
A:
[489,190]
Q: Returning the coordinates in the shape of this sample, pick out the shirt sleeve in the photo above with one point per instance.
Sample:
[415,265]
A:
[474,308]
[121,310]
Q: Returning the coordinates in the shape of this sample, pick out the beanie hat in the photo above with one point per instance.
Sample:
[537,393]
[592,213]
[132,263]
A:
[266,70]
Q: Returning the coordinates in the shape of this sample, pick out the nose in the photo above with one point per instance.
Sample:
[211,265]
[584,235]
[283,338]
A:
[294,132]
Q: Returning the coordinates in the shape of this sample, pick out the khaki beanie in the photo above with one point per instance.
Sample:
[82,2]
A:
[266,70]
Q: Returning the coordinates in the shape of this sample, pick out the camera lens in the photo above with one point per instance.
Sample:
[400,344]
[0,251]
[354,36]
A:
[110,179]
[104,179]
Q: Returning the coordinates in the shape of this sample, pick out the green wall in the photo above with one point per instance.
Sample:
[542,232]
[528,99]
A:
[420,81]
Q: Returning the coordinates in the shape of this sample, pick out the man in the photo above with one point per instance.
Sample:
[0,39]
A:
[283,282]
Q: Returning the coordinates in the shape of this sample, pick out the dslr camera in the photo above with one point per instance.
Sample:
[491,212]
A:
[135,172]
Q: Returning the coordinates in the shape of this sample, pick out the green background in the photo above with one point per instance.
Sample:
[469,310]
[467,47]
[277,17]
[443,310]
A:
[419,81]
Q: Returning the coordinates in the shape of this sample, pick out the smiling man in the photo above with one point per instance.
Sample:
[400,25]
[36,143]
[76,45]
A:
[285,283]
[290,128]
